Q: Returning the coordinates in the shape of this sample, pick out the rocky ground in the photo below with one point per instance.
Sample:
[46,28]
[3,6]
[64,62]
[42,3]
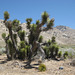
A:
[16,67]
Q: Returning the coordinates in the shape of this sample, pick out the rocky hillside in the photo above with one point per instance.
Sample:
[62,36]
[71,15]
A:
[64,35]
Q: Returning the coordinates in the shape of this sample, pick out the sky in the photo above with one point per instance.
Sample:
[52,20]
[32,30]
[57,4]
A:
[63,11]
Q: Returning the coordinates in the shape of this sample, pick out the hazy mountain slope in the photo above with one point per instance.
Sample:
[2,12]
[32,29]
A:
[64,35]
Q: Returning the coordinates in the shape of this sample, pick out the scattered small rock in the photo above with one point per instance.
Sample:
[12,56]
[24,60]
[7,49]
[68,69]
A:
[73,63]
[61,68]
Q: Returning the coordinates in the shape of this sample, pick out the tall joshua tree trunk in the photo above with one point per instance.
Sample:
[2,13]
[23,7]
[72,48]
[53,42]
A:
[36,45]
[7,52]
[13,42]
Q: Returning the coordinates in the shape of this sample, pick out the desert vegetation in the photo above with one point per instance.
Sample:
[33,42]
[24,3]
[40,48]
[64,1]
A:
[27,49]
[19,48]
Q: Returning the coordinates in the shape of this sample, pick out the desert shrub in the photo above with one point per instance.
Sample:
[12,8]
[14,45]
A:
[59,54]
[65,55]
[42,67]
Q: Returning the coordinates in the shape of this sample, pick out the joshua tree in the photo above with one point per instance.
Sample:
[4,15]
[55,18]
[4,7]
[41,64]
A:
[10,26]
[34,40]
[35,30]
[51,49]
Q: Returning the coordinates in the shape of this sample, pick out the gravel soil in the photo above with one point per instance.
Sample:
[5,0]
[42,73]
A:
[16,67]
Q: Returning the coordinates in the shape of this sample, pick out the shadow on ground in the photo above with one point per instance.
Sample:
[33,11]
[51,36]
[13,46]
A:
[4,61]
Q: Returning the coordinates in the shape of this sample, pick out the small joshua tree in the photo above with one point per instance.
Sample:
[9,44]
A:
[51,48]
[12,26]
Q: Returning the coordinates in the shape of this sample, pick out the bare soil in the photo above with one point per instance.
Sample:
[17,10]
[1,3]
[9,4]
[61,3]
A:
[17,67]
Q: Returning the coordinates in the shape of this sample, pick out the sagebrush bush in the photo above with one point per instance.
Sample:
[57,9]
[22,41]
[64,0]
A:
[42,67]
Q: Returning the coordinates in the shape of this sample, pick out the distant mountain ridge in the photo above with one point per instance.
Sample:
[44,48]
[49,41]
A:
[64,35]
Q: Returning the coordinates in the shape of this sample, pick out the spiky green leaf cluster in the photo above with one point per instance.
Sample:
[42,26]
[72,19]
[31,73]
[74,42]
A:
[65,54]
[49,41]
[33,27]
[40,39]
[6,15]
[3,35]
[28,20]
[59,53]
[21,35]
[16,22]
[53,39]
[51,49]
[44,17]
[37,22]
[22,44]
[47,51]
[50,23]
